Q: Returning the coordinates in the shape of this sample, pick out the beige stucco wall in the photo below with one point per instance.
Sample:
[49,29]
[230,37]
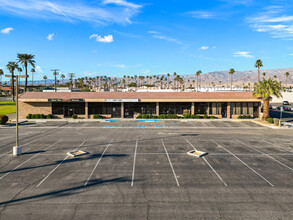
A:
[26,108]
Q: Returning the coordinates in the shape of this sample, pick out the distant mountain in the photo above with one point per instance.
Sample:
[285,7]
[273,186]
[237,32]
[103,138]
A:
[240,77]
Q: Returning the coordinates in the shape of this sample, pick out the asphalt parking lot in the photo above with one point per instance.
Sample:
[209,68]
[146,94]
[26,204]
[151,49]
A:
[145,173]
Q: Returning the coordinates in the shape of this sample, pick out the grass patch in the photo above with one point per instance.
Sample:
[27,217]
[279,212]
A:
[7,107]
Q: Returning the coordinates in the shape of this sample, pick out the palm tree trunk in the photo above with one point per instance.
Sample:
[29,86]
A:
[25,86]
[258,75]
[197,84]
[231,81]
[266,114]
[286,81]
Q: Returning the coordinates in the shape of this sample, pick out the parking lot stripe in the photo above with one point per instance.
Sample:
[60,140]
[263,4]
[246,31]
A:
[170,163]
[214,171]
[208,164]
[97,163]
[243,163]
[59,165]
[28,160]
[227,124]
[193,125]
[275,145]
[265,155]
[134,159]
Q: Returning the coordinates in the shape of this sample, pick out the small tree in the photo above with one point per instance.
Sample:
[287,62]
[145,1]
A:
[265,89]
[1,74]
[231,72]
[287,74]
[33,71]
[258,64]
[62,78]
[45,78]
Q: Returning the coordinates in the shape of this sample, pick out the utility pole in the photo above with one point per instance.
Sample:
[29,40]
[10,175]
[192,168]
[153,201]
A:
[17,148]
[55,73]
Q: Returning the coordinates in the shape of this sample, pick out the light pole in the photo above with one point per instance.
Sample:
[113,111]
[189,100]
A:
[17,148]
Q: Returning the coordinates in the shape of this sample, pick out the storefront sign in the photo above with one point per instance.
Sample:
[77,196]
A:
[121,100]
[65,100]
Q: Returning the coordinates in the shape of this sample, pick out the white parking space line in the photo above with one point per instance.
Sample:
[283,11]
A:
[170,163]
[134,159]
[226,124]
[243,163]
[273,144]
[97,163]
[209,165]
[192,124]
[265,155]
[59,165]
[214,171]
[28,160]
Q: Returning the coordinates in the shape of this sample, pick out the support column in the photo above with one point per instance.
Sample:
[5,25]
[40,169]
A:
[122,109]
[86,110]
[228,110]
[192,108]
[157,109]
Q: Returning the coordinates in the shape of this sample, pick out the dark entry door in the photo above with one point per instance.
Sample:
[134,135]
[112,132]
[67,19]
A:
[68,111]
[224,109]
[116,110]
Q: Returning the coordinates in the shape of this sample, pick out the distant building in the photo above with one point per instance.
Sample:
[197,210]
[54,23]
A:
[5,91]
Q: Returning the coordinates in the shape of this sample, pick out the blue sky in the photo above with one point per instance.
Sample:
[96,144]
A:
[147,37]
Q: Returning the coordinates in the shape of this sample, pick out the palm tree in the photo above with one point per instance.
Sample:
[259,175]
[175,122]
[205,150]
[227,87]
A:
[45,78]
[12,66]
[62,77]
[197,76]
[231,72]
[70,76]
[1,74]
[26,59]
[264,74]
[257,65]
[287,74]
[265,89]
[33,71]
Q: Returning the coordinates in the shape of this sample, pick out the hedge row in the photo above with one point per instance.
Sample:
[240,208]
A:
[173,116]
[39,116]
[244,117]
[3,119]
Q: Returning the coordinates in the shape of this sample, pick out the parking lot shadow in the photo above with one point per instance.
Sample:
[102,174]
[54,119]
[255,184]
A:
[33,152]
[71,160]
[69,191]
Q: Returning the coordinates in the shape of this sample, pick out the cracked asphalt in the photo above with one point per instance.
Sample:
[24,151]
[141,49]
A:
[145,173]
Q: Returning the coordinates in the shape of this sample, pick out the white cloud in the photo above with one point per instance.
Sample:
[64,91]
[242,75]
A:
[242,54]
[204,48]
[39,69]
[273,21]
[105,39]
[158,35]
[50,36]
[290,54]
[6,30]
[202,14]
[122,3]
[121,66]
[101,12]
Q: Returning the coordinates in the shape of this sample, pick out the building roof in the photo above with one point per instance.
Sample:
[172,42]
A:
[5,88]
[142,96]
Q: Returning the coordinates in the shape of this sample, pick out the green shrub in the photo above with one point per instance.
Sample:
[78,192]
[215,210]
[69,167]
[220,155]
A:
[213,117]
[270,120]
[97,116]
[3,119]
[244,117]
[205,116]
[139,117]
[74,116]
[50,116]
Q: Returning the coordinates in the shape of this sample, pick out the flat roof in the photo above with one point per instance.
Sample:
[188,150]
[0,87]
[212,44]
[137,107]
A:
[142,96]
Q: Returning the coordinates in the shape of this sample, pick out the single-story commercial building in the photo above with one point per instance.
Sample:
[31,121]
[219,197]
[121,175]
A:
[131,104]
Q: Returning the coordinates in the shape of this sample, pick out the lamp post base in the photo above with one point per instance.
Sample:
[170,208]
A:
[16,150]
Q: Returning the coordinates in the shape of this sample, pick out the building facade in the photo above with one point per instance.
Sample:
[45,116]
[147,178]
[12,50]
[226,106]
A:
[131,104]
